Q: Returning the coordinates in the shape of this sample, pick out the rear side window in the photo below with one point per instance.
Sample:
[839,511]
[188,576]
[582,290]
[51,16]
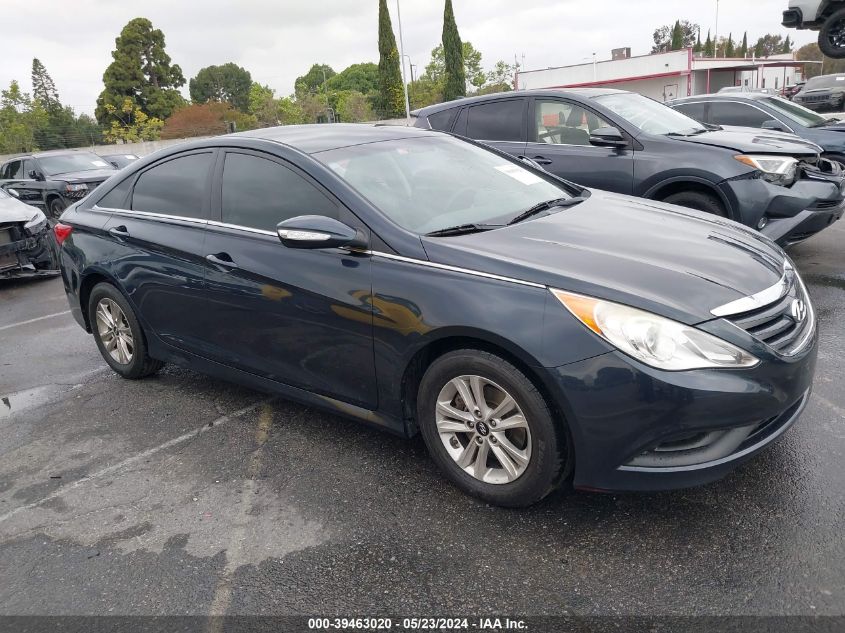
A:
[442,120]
[259,193]
[176,187]
[118,197]
[693,110]
[13,170]
[497,121]
[730,113]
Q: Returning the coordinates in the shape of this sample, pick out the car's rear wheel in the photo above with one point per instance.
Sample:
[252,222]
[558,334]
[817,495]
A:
[55,207]
[118,333]
[490,430]
[698,200]
[832,35]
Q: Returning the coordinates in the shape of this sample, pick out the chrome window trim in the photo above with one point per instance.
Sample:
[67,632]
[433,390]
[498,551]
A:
[456,269]
[149,214]
[240,227]
[758,299]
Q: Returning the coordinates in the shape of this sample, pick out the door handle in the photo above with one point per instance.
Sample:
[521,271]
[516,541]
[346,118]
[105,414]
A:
[119,231]
[541,160]
[222,259]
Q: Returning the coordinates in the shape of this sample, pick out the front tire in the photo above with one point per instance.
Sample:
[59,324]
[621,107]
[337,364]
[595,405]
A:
[699,201]
[55,208]
[490,430]
[832,35]
[118,333]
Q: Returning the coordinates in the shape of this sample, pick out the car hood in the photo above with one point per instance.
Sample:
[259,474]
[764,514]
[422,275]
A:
[753,141]
[89,175]
[13,210]
[669,260]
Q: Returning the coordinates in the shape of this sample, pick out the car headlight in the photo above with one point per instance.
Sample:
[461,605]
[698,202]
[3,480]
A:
[36,223]
[14,192]
[779,170]
[80,187]
[652,339]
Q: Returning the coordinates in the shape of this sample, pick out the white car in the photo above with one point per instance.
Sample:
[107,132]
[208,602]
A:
[825,16]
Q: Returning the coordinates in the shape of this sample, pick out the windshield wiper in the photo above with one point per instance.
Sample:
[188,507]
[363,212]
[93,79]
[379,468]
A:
[463,229]
[545,206]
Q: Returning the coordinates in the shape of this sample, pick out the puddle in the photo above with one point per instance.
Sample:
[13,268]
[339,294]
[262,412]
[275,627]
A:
[27,399]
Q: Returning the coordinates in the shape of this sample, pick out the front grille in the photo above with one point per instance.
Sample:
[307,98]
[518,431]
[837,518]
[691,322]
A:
[782,324]
[826,204]
[815,98]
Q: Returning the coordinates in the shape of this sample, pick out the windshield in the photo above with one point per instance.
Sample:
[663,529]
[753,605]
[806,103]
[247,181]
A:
[797,113]
[650,116]
[825,81]
[64,163]
[430,183]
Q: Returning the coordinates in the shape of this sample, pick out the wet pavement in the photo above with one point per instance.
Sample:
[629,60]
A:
[181,494]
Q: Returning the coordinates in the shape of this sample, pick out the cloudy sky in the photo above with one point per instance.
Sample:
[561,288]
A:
[277,40]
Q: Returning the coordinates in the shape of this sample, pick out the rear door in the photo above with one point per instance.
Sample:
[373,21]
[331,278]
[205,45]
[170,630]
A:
[738,114]
[500,123]
[157,231]
[300,317]
[559,139]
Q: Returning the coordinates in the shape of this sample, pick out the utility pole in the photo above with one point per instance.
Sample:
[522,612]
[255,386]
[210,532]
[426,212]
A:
[716,33]
[402,54]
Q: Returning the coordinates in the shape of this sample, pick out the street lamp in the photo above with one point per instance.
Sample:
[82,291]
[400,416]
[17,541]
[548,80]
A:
[402,53]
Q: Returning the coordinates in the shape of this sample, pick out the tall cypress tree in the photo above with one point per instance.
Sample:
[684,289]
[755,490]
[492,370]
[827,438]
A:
[43,88]
[391,97]
[708,46]
[729,46]
[677,37]
[743,49]
[453,54]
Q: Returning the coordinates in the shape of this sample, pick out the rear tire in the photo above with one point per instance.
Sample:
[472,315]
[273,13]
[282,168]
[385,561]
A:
[832,35]
[118,333]
[507,455]
[699,201]
[55,208]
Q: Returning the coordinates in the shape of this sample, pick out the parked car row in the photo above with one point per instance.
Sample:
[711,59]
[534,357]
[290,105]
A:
[627,143]
[534,331]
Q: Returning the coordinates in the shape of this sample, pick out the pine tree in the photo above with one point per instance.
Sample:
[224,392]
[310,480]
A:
[743,51]
[787,45]
[729,46]
[43,88]
[677,37]
[698,45]
[455,85]
[142,72]
[391,100]
[708,46]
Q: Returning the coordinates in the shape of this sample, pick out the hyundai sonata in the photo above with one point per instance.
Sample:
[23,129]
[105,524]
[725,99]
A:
[535,332]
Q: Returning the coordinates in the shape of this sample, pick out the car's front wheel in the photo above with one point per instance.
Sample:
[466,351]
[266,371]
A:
[118,333]
[55,208]
[699,201]
[832,35]
[490,430]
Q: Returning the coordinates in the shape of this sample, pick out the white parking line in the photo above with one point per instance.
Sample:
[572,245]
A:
[35,320]
[136,458]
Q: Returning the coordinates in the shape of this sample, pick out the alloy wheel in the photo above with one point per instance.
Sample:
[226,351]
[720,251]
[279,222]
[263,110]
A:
[114,331]
[483,429]
[836,34]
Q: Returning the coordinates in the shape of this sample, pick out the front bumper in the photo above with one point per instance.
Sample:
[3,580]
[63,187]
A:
[834,101]
[30,256]
[622,414]
[792,19]
[791,214]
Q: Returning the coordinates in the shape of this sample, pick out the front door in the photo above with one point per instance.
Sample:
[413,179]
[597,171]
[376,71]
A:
[559,139]
[300,317]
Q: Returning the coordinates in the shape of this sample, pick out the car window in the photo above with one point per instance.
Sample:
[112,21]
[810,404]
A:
[497,121]
[175,187]
[730,113]
[564,123]
[693,110]
[55,164]
[260,193]
[461,123]
[442,120]
[13,170]
[118,197]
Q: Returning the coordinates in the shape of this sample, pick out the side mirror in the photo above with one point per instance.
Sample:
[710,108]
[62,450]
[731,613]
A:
[319,231]
[607,137]
[36,175]
[773,124]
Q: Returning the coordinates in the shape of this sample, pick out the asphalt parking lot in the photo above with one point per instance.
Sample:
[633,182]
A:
[181,494]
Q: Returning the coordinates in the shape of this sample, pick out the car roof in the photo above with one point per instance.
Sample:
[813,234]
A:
[584,93]
[321,137]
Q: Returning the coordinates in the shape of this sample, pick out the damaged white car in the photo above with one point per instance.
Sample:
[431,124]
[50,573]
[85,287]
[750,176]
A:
[27,245]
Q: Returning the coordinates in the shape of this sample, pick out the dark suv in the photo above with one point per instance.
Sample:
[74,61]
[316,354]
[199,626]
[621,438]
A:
[627,143]
[54,180]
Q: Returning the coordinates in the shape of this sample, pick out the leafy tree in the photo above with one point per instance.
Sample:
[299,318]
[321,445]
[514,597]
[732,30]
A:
[20,118]
[426,91]
[141,72]
[436,68]
[391,99]
[313,80]
[361,78]
[812,52]
[352,106]
[455,85]
[743,50]
[768,45]
[663,36]
[268,110]
[206,119]
[502,76]
[43,87]
[229,83]
[130,124]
